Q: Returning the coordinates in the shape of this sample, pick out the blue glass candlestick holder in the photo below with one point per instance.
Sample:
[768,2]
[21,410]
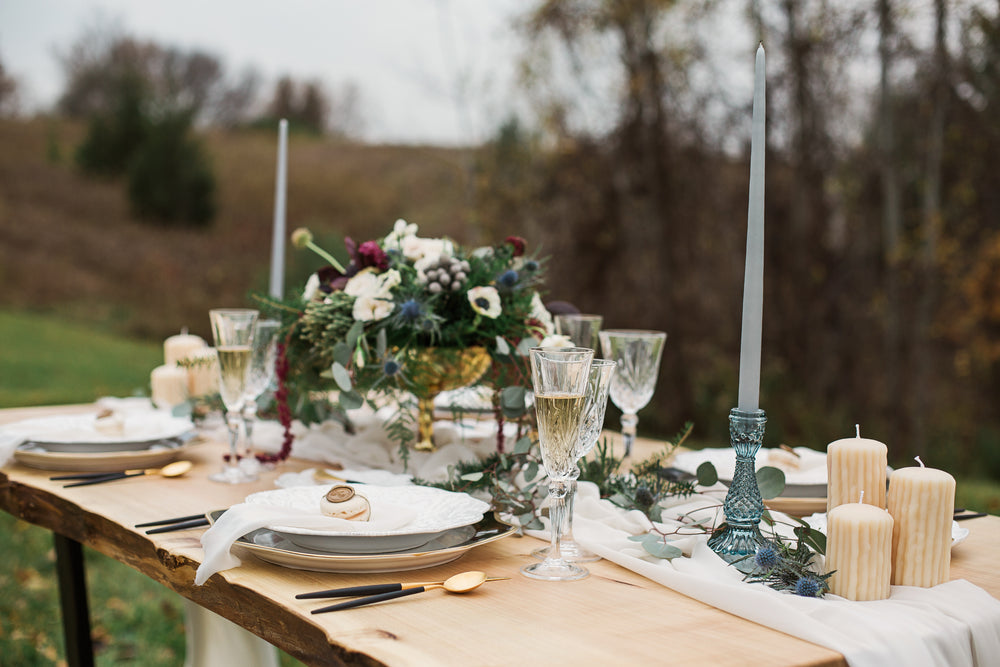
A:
[743,506]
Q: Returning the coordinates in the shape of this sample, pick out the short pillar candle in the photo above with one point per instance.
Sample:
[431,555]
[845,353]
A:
[853,466]
[922,503]
[180,347]
[169,386]
[203,373]
[859,551]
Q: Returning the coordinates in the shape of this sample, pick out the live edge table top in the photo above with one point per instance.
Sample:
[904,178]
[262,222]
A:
[612,617]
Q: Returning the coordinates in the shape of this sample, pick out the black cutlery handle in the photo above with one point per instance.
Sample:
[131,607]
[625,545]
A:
[183,525]
[350,591]
[84,475]
[350,604]
[107,478]
[164,522]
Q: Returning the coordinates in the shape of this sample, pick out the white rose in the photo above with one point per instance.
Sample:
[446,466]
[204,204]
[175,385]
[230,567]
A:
[363,283]
[556,340]
[541,313]
[312,286]
[371,309]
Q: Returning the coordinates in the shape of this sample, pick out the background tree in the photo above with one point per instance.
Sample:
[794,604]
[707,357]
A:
[9,102]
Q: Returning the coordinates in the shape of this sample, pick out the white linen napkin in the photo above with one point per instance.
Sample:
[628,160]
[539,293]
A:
[8,444]
[245,518]
[953,624]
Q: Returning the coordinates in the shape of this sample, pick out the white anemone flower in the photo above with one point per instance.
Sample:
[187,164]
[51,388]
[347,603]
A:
[486,301]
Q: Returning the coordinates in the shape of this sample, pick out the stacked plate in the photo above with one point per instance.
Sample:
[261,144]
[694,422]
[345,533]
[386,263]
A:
[85,442]
[440,527]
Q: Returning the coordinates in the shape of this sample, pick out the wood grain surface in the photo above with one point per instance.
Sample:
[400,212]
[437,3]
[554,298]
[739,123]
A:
[613,617]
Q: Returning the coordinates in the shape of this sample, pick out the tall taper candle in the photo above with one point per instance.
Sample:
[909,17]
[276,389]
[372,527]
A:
[277,286]
[753,280]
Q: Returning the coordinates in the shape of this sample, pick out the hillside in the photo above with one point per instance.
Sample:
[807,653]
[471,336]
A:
[69,245]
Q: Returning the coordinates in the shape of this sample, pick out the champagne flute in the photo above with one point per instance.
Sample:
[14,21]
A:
[559,378]
[638,355]
[595,404]
[260,374]
[582,329]
[232,329]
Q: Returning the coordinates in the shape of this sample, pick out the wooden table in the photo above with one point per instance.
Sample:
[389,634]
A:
[612,617]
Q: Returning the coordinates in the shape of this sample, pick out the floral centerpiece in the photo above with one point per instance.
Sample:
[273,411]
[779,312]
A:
[409,317]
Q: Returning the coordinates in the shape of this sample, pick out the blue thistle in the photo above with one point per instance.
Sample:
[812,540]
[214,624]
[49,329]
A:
[767,558]
[410,310]
[390,367]
[807,587]
[508,279]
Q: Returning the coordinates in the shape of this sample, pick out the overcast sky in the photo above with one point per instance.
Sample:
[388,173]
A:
[408,57]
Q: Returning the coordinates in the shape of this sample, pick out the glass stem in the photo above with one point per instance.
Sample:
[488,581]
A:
[249,418]
[557,510]
[233,422]
[567,530]
[629,422]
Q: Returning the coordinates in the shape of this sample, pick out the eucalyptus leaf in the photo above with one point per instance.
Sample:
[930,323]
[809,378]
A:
[524,347]
[526,518]
[342,353]
[522,446]
[503,349]
[341,377]
[661,549]
[531,471]
[512,402]
[381,343]
[534,524]
[638,538]
[354,333]
[351,400]
[472,477]
[707,474]
[770,481]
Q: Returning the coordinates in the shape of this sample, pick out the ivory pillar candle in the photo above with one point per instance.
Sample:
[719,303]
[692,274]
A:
[180,347]
[922,502]
[203,373]
[854,465]
[169,385]
[859,548]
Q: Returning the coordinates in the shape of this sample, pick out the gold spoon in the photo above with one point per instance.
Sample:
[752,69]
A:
[462,582]
[175,469]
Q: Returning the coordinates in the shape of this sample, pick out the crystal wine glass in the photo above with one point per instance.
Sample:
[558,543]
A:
[638,355]
[233,330]
[581,329]
[594,407]
[559,377]
[260,374]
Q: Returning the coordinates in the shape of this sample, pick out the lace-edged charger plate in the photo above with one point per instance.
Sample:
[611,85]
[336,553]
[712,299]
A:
[82,433]
[155,456]
[272,547]
[438,511]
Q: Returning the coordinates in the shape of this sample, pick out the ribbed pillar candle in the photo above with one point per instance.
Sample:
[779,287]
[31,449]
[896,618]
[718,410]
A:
[922,502]
[859,548]
[203,376]
[854,465]
[169,386]
[180,347]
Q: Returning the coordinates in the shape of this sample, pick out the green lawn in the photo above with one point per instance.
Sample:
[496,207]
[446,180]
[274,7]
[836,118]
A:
[47,361]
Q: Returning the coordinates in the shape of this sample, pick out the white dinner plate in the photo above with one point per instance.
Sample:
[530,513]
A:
[153,457]
[453,544]
[80,433]
[818,521]
[437,511]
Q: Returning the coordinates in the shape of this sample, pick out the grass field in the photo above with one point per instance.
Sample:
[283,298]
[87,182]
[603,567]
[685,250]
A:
[46,360]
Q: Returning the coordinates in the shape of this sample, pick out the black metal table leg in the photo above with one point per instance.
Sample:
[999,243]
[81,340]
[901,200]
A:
[73,600]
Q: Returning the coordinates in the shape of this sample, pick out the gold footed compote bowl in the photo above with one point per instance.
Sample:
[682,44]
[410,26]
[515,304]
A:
[559,377]
[435,370]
